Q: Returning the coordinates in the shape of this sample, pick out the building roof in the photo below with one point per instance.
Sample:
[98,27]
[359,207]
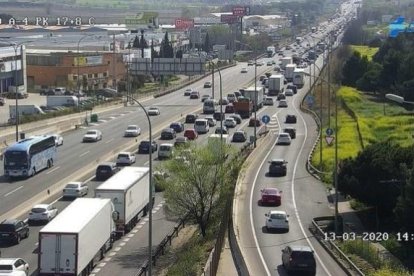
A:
[127,177]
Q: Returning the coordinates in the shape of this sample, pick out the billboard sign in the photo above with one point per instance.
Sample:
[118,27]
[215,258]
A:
[143,19]
[241,11]
[229,18]
[88,60]
[184,23]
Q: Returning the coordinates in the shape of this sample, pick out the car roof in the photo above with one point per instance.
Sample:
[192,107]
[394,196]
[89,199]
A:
[301,248]
[277,212]
[283,134]
[153,107]
[181,138]
[124,152]
[166,144]
[7,261]
[270,190]
[9,221]
[290,128]
[41,206]
[132,126]
[278,160]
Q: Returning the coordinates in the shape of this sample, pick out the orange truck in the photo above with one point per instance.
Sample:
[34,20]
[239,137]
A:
[243,107]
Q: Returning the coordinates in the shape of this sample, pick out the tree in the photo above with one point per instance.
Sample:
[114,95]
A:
[354,68]
[166,50]
[206,45]
[369,81]
[404,209]
[198,182]
[135,44]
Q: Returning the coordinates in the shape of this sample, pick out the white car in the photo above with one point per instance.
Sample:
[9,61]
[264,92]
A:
[125,158]
[42,212]
[288,92]
[268,101]
[75,189]
[153,111]
[276,219]
[283,103]
[92,135]
[243,70]
[132,131]
[211,121]
[58,139]
[283,139]
[230,122]
[13,267]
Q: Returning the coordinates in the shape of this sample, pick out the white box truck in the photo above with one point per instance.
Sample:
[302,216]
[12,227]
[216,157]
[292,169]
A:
[290,68]
[285,61]
[80,235]
[62,101]
[251,94]
[24,109]
[129,192]
[276,85]
[299,77]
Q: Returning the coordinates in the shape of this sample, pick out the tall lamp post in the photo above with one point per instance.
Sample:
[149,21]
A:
[150,190]
[221,99]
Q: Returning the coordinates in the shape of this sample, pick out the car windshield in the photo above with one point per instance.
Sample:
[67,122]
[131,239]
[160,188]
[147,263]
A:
[270,192]
[277,216]
[19,157]
[72,186]
[6,267]
[200,123]
[165,148]
[6,228]
[104,168]
[153,108]
[38,210]
[277,163]
[132,128]
[123,155]
[91,132]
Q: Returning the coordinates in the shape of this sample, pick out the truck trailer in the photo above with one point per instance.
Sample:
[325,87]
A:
[62,101]
[285,61]
[290,68]
[275,85]
[252,94]
[299,77]
[71,243]
[243,107]
[129,192]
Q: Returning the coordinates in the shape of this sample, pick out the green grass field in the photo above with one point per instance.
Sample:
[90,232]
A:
[365,50]
[397,124]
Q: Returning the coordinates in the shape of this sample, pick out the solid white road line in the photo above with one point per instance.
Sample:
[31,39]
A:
[54,169]
[85,153]
[15,190]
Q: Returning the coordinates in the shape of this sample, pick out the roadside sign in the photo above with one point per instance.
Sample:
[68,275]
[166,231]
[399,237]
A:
[329,140]
[329,131]
[265,119]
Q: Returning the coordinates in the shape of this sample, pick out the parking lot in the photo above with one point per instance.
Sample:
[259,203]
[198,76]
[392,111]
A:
[33,98]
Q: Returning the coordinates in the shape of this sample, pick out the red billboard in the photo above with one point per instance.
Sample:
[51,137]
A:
[229,18]
[241,11]
[184,23]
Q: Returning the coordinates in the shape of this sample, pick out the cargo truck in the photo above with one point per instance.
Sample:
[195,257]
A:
[243,107]
[275,85]
[285,61]
[290,68]
[24,109]
[299,77]
[71,243]
[62,101]
[253,94]
[129,192]
[271,51]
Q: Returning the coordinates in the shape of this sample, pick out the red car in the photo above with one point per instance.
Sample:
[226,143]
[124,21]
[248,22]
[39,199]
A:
[229,108]
[251,122]
[271,196]
[191,134]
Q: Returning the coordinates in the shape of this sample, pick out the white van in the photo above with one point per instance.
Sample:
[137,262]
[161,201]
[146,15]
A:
[209,106]
[60,91]
[165,151]
[201,126]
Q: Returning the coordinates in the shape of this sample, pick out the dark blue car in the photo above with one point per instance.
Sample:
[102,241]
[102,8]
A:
[177,126]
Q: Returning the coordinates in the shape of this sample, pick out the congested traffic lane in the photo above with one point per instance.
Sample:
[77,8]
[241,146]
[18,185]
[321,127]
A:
[75,157]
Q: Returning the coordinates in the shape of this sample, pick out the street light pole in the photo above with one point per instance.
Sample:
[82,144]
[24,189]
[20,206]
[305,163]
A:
[150,190]
[78,61]
[221,100]
[15,88]
[255,99]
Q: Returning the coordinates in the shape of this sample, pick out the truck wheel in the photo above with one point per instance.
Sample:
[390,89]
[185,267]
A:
[145,211]
[33,171]
[18,239]
[27,234]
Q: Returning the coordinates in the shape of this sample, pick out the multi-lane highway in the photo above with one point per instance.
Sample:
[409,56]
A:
[78,160]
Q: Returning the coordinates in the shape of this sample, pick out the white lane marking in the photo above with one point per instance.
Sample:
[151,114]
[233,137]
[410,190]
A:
[131,235]
[36,244]
[126,240]
[85,153]
[54,169]
[139,226]
[101,264]
[293,192]
[107,259]
[134,231]
[15,190]
[251,207]
[142,223]
[122,243]
[146,219]
[109,141]
[112,253]
[146,163]
[116,249]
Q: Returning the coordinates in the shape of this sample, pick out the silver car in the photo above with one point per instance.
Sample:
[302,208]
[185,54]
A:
[92,135]
[75,189]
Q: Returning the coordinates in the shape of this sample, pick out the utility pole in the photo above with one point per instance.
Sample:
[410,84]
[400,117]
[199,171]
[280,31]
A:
[113,62]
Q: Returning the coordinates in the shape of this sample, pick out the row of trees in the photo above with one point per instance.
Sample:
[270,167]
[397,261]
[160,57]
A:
[382,176]
[390,71]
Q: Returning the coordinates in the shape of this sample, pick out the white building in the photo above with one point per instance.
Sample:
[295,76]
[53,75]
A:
[12,68]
